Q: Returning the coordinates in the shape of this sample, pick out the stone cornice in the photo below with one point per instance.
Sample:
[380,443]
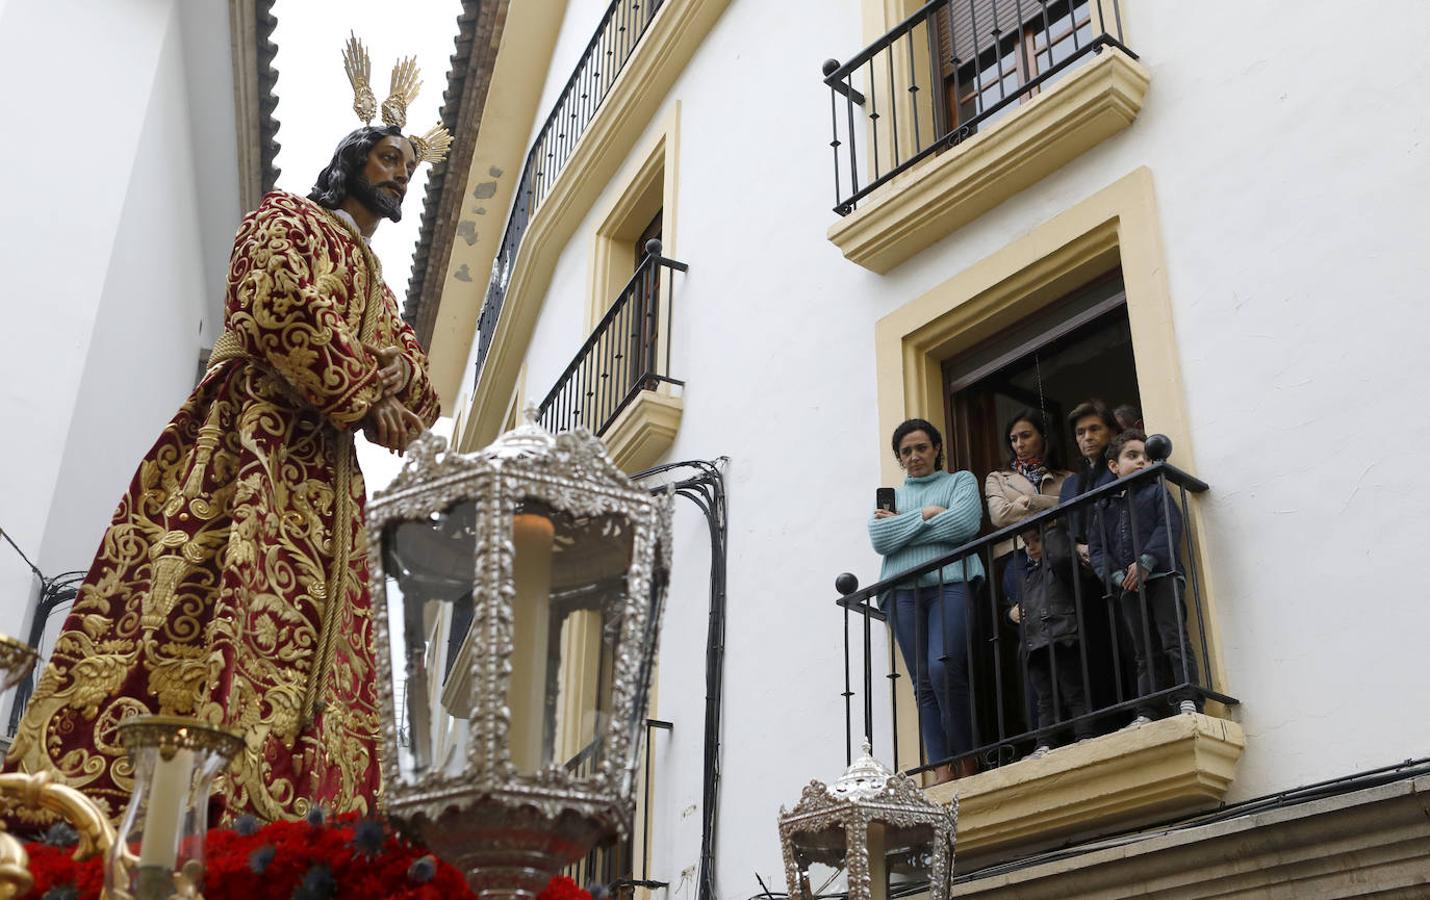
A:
[1373,841]
[479,34]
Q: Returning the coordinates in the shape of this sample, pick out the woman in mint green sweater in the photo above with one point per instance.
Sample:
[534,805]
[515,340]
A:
[935,512]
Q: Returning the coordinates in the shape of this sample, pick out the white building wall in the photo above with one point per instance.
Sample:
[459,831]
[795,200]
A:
[1291,195]
[116,233]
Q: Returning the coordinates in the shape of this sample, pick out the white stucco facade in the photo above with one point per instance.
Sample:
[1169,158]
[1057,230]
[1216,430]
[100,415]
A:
[116,232]
[1291,197]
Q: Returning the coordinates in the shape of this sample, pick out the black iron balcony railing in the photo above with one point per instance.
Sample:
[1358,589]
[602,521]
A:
[614,865]
[615,39]
[944,72]
[625,354]
[57,595]
[982,670]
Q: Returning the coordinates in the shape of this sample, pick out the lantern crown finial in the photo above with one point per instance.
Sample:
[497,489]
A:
[866,777]
[528,438]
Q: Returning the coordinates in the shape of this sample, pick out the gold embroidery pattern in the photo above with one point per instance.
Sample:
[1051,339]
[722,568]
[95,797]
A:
[232,582]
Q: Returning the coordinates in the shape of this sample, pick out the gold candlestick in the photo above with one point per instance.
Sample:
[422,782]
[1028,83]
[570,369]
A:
[174,760]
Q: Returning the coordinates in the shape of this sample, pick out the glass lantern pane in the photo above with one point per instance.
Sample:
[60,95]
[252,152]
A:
[824,880]
[429,566]
[569,574]
[821,857]
[900,859]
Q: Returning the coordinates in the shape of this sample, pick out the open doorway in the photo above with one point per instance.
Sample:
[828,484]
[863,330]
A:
[1076,349]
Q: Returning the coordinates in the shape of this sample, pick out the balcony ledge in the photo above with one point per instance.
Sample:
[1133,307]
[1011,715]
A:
[1165,769]
[644,430]
[948,190]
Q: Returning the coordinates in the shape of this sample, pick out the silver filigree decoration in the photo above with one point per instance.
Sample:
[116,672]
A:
[867,794]
[458,813]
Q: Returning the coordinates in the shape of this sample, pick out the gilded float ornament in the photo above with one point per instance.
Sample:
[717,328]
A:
[406,82]
[38,793]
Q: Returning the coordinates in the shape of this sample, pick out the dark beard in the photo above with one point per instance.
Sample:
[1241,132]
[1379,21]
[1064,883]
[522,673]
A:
[378,201]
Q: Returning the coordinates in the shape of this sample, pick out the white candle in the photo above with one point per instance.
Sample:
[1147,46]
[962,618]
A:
[878,862]
[164,816]
[533,538]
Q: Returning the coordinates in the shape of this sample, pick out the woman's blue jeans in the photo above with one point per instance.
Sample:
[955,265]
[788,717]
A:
[932,632]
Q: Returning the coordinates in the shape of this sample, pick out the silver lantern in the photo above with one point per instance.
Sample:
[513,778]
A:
[518,593]
[872,834]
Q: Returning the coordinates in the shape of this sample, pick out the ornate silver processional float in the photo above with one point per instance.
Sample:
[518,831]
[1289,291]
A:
[518,594]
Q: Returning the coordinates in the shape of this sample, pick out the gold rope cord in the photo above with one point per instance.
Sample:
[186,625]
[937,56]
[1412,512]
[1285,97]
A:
[338,576]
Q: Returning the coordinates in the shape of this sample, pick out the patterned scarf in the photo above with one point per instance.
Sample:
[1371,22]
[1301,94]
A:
[1033,470]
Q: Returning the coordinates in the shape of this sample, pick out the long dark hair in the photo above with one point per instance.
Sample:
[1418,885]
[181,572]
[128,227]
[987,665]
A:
[1052,454]
[334,182]
[909,426]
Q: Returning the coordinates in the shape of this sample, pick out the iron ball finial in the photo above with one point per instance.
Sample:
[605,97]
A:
[653,247]
[1159,447]
[846,583]
[830,67]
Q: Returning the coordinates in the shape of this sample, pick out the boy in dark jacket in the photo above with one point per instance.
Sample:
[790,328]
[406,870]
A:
[1047,611]
[1132,543]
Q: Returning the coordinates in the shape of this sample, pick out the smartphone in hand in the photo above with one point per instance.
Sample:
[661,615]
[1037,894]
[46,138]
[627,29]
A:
[884,499]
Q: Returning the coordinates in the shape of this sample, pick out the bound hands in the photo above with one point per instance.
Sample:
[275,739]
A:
[388,423]
[391,368]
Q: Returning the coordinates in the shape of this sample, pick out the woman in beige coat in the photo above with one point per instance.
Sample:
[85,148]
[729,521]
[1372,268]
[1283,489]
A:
[1034,475]
[1028,486]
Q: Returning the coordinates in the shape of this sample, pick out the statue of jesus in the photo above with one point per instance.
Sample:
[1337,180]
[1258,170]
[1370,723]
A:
[232,583]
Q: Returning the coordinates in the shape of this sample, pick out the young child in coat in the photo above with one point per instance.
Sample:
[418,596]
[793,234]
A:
[1133,541]
[1047,611]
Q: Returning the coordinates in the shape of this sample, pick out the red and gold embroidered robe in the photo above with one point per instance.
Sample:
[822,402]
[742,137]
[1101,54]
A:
[232,583]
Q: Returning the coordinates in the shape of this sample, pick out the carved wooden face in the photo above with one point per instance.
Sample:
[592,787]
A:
[382,184]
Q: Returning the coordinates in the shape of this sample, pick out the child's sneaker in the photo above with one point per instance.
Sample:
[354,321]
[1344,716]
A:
[1138,723]
[1187,707]
[1041,751]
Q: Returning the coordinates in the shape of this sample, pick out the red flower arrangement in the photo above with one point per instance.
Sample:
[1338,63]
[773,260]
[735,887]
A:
[363,860]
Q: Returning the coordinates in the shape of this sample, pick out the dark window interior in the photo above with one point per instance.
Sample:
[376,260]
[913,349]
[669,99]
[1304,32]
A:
[1079,348]
[651,231]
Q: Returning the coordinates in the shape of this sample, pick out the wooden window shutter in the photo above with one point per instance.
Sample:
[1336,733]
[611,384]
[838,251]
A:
[967,13]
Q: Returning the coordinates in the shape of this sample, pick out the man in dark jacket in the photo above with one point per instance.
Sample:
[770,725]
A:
[1048,614]
[1132,542]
